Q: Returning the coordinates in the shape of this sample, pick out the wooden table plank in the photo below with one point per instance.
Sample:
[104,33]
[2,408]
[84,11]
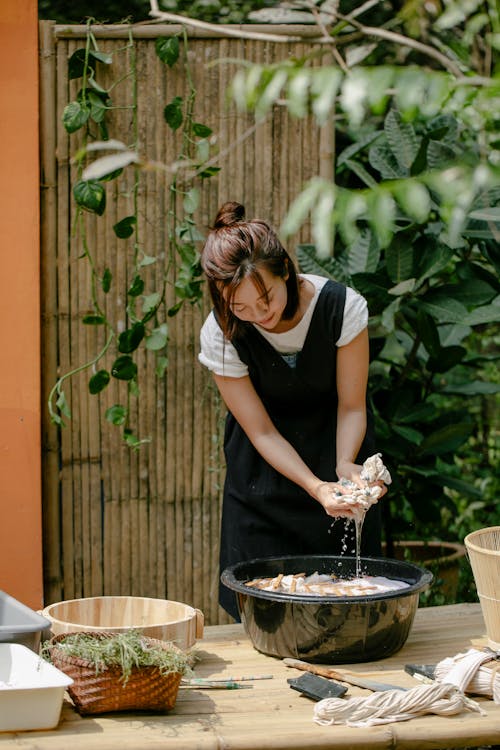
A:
[271,716]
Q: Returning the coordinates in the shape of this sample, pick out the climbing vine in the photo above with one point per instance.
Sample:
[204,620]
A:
[147,313]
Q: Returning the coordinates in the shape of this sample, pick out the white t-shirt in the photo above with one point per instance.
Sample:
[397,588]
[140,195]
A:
[220,356]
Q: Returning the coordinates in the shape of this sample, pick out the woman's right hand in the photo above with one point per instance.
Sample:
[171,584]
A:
[329,494]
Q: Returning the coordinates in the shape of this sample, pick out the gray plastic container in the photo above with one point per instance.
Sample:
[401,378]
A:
[20,624]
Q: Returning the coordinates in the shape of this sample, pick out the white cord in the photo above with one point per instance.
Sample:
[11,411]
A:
[394,705]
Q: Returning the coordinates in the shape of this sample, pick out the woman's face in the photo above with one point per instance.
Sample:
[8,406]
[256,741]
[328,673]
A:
[251,305]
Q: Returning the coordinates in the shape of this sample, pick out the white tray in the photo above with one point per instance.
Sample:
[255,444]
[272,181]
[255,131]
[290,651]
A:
[31,690]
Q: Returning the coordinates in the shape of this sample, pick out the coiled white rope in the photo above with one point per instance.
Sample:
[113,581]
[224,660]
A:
[474,671]
[394,705]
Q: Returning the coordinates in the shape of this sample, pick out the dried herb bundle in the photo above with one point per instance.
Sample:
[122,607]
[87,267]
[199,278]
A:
[124,650]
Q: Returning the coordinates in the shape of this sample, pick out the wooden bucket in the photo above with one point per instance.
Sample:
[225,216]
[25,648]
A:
[483,550]
[162,619]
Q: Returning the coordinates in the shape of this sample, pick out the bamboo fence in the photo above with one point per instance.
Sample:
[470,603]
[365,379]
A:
[146,522]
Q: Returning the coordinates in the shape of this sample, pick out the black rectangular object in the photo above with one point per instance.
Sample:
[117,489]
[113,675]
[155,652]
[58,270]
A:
[317,687]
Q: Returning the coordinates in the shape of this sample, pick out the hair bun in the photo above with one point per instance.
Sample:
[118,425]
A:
[230,213]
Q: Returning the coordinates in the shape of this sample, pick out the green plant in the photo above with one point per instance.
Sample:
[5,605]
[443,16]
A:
[427,295]
[412,220]
[147,312]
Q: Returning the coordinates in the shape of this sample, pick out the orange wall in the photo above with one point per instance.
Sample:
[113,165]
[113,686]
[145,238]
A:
[20,454]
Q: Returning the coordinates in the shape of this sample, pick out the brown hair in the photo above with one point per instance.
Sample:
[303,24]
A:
[235,250]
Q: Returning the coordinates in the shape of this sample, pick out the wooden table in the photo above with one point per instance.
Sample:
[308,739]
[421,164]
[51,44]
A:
[270,714]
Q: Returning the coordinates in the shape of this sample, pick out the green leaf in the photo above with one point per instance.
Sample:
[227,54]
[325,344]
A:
[381,211]
[428,332]
[387,318]
[102,57]
[125,228]
[442,308]
[410,91]
[472,388]
[322,223]
[95,86]
[151,302]
[404,287]
[147,260]
[400,261]
[298,93]
[62,405]
[482,315]
[124,368]
[465,488]
[310,262]
[76,63]
[93,320]
[445,359]
[209,172]
[174,309]
[486,214]
[158,338]
[75,115]
[325,84]
[132,440]
[106,165]
[302,205]
[90,195]
[353,96]
[383,160]
[98,382]
[137,287]
[98,106]
[106,280]
[380,82]
[363,174]
[408,433]
[173,113]
[167,49]
[414,199]
[471,292]
[270,93]
[191,201]
[201,131]
[402,139]
[116,414]
[447,439]
[432,260]
[161,366]
[418,413]
[129,340]
[351,207]
[364,253]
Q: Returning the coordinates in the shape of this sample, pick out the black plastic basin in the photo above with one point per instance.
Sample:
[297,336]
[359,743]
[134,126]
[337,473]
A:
[327,629]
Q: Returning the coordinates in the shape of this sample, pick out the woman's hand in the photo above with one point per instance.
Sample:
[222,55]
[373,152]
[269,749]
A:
[351,471]
[329,495]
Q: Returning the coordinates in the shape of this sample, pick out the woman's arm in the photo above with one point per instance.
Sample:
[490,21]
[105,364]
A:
[352,379]
[247,408]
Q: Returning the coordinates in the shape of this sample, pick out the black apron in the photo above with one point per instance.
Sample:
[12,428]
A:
[265,514]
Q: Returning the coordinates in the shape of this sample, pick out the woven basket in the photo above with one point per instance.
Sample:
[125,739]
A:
[146,689]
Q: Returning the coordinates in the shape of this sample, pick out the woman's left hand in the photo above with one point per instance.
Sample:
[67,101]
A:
[352,472]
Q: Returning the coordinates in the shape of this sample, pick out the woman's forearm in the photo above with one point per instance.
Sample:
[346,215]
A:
[283,457]
[351,429]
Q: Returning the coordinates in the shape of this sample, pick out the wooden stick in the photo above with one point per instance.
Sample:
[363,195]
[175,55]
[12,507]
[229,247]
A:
[344,676]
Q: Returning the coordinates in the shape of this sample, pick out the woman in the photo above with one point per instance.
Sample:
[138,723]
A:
[289,354]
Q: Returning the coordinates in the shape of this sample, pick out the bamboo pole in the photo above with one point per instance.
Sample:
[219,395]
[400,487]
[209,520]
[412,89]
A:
[153,30]
[48,272]
[64,323]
